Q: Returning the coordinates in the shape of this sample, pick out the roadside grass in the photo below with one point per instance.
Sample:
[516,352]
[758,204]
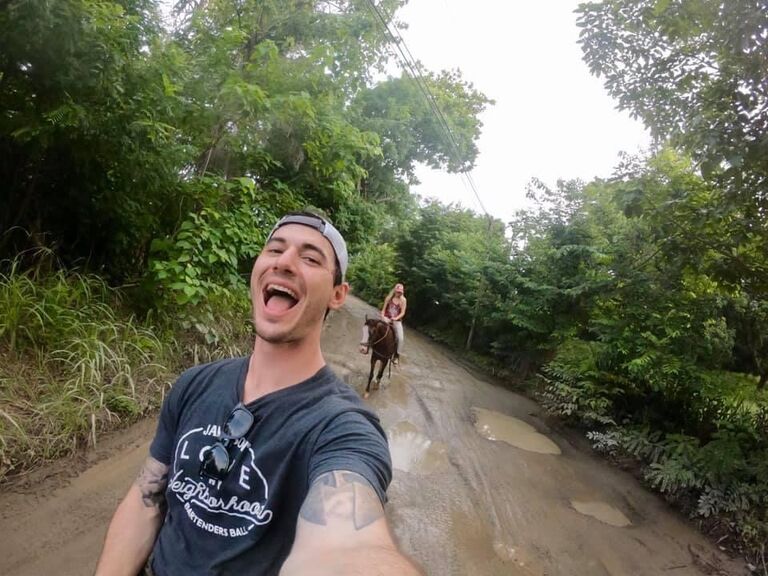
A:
[74,364]
[708,456]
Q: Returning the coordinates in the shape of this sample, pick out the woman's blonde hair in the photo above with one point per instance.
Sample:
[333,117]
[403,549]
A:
[391,293]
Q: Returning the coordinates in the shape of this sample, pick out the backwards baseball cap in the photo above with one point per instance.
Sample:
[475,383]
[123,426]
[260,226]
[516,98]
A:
[325,228]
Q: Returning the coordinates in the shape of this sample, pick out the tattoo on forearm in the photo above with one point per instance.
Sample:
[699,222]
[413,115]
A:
[342,496]
[152,481]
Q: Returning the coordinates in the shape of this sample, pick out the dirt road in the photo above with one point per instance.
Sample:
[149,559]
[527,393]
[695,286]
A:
[481,487]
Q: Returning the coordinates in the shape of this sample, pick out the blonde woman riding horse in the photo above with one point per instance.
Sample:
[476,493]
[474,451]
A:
[393,312]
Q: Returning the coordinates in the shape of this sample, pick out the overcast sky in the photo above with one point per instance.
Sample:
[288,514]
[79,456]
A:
[551,120]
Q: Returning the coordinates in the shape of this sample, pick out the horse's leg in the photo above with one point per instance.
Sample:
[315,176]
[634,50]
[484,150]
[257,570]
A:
[365,340]
[381,372]
[370,377]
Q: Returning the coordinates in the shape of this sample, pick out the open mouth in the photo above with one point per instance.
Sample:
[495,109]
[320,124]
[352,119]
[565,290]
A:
[279,299]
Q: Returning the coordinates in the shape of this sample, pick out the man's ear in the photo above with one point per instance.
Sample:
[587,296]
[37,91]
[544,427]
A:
[338,296]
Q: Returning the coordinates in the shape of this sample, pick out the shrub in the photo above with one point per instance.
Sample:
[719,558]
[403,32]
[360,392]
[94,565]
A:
[372,272]
[702,439]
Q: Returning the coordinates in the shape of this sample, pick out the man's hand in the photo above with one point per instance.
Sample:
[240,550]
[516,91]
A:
[342,531]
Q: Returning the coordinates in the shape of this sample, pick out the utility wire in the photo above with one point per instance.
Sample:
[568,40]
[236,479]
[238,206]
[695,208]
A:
[432,101]
[436,110]
[410,64]
[411,67]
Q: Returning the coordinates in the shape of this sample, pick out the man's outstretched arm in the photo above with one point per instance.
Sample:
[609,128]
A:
[342,531]
[137,520]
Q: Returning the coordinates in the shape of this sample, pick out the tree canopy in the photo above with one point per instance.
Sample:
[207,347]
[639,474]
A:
[116,133]
[693,71]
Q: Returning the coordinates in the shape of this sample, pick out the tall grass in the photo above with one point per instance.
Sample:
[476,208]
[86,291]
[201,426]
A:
[72,364]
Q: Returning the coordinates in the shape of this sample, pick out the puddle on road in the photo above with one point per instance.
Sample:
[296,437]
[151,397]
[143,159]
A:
[412,451]
[603,512]
[495,426]
[480,555]
[511,553]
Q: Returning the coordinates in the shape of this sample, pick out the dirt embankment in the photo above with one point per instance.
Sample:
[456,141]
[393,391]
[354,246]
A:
[482,486]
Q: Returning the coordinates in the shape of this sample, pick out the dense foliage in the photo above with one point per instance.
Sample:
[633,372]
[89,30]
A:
[153,154]
[614,290]
[641,299]
[117,136]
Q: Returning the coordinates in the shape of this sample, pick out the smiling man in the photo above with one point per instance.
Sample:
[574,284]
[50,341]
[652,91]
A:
[267,464]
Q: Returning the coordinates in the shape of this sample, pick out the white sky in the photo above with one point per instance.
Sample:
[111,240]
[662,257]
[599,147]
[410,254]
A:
[552,118]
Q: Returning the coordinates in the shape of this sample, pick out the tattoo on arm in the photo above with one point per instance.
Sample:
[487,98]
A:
[152,481]
[341,496]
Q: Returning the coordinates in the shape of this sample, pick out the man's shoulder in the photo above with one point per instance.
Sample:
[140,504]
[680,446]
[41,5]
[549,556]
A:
[345,403]
[215,365]
[228,367]
[340,391]
[330,392]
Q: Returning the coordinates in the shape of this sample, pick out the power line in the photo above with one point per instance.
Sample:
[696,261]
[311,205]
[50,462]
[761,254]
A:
[410,64]
[432,101]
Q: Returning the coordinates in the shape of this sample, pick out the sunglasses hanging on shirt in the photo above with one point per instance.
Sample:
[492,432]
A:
[217,461]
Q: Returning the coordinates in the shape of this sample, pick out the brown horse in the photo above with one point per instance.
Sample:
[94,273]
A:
[382,343]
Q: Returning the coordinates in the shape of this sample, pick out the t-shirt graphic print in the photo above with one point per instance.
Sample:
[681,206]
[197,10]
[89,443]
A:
[231,507]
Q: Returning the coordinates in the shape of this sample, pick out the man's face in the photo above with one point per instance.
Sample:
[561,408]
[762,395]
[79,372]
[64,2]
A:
[292,285]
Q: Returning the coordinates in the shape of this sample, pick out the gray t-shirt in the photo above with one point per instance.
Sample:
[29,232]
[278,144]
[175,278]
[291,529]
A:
[246,524]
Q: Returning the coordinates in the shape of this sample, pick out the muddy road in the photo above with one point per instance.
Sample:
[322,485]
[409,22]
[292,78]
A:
[481,486]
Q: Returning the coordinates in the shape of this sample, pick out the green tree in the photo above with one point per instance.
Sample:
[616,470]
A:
[693,71]
[449,259]
[695,228]
[88,156]
[557,258]
[114,132]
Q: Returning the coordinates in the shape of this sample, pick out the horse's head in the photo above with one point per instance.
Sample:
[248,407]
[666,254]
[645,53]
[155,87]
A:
[376,327]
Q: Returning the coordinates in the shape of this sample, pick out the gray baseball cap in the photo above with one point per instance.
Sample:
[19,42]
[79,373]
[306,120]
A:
[325,228]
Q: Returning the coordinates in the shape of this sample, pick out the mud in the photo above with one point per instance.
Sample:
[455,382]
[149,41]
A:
[459,504]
